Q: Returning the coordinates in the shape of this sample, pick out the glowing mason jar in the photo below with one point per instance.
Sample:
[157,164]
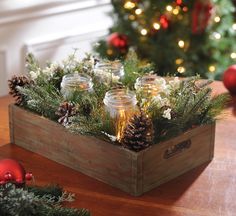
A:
[110,71]
[121,105]
[75,82]
[150,85]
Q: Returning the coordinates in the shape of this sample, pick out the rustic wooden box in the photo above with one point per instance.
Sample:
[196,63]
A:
[129,171]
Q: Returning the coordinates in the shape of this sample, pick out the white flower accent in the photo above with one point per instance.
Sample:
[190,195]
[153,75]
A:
[167,114]
[34,74]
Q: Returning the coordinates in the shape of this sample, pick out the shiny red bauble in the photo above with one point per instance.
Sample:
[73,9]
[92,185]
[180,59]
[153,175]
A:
[229,79]
[12,171]
[117,40]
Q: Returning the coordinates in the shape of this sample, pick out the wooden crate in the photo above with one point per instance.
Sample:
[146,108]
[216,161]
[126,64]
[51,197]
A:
[129,171]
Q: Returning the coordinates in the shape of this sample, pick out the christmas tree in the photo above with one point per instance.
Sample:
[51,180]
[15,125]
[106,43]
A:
[181,37]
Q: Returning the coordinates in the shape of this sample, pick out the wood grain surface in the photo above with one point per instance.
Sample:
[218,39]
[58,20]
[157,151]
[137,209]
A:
[207,190]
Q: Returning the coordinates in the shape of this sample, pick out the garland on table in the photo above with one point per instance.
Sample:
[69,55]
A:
[38,201]
[19,199]
[177,106]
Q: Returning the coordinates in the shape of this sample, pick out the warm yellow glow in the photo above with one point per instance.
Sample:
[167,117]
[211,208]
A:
[233,55]
[169,8]
[138,11]
[179,61]
[131,17]
[234,26]
[212,68]
[176,11]
[143,31]
[217,35]
[156,26]
[217,19]
[129,5]
[181,69]
[181,43]
[109,52]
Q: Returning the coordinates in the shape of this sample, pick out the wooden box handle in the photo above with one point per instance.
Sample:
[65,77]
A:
[177,149]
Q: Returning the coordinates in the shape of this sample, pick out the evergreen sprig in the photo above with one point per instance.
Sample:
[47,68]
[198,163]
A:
[38,201]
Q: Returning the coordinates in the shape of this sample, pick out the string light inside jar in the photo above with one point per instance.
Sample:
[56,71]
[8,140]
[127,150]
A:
[121,105]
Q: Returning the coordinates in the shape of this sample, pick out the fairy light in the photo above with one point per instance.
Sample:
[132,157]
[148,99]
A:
[179,61]
[131,17]
[175,11]
[217,35]
[138,11]
[109,52]
[169,8]
[233,55]
[156,26]
[234,26]
[217,19]
[181,43]
[212,68]
[143,32]
[181,69]
[129,5]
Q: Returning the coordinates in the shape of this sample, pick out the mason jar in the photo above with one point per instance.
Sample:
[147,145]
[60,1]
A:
[109,71]
[75,82]
[121,105]
[150,84]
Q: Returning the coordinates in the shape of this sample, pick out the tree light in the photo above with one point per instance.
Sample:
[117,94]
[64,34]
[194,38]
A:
[138,11]
[143,31]
[176,11]
[131,17]
[156,26]
[233,55]
[217,19]
[217,35]
[129,5]
[179,61]
[181,43]
[181,69]
[212,68]
[234,26]
[169,8]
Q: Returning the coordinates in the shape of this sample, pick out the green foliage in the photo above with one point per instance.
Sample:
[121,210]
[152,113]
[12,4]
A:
[191,105]
[175,107]
[44,100]
[161,47]
[36,201]
[133,69]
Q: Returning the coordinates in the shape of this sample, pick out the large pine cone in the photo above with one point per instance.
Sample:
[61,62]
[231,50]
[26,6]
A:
[16,81]
[138,133]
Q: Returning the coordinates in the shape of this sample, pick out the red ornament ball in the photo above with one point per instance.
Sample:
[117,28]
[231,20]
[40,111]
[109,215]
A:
[229,79]
[12,171]
[118,40]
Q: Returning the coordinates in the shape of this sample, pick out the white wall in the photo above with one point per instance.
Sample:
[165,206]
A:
[50,31]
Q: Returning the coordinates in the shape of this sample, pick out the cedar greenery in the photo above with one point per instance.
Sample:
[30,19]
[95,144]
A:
[181,106]
[36,201]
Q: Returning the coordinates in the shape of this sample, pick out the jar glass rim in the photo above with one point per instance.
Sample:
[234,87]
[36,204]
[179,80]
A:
[75,79]
[120,98]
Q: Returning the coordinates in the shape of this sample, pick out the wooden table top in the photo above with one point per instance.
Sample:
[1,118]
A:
[207,190]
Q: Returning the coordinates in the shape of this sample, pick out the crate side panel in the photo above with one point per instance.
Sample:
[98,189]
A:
[158,170]
[91,156]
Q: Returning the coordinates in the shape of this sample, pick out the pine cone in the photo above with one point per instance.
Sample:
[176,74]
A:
[21,81]
[65,110]
[138,133]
